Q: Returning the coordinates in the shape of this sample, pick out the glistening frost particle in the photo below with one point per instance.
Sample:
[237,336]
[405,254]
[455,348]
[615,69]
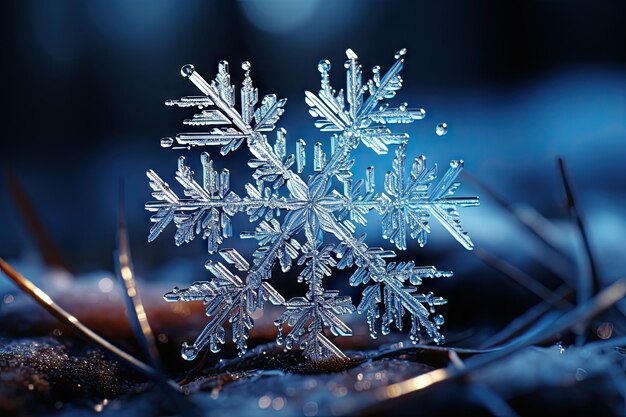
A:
[310,222]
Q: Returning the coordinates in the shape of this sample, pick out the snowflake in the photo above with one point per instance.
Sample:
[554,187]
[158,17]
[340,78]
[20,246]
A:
[309,222]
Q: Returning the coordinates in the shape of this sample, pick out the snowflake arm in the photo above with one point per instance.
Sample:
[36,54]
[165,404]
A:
[409,203]
[228,299]
[398,298]
[361,122]
[308,316]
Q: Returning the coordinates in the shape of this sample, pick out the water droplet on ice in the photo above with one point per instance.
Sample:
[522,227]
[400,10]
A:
[167,142]
[439,320]
[187,70]
[246,66]
[189,353]
[323,65]
[400,53]
[442,129]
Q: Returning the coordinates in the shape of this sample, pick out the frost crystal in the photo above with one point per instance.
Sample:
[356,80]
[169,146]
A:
[310,222]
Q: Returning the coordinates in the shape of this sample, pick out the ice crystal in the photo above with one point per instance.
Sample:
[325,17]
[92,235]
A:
[310,222]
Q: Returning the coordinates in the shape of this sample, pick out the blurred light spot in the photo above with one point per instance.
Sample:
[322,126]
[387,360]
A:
[278,16]
[105,284]
[310,409]
[57,333]
[162,338]
[60,278]
[604,330]
[278,403]
[264,401]
[581,374]
[8,299]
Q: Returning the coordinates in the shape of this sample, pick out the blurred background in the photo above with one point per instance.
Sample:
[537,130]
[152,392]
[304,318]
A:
[518,84]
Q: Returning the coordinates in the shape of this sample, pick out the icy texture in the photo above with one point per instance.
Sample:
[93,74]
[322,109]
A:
[309,222]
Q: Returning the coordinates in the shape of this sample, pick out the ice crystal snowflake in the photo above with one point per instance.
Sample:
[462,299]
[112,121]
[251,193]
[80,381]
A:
[310,222]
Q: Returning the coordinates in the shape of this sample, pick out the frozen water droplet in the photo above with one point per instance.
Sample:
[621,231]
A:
[167,142]
[246,66]
[189,353]
[439,320]
[400,53]
[403,106]
[421,113]
[323,66]
[346,64]
[442,129]
[376,69]
[187,70]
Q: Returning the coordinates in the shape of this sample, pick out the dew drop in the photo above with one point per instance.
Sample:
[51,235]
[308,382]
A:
[400,53]
[442,129]
[346,64]
[189,353]
[246,66]
[376,69]
[167,142]
[187,70]
[323,66]
[439,320]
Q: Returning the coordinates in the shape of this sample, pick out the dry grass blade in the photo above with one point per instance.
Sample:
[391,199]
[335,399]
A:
[48,250]
[535,224]
[134,306]
[528,319]
[169,387]
[523,279]
[575,213]
[604,300]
